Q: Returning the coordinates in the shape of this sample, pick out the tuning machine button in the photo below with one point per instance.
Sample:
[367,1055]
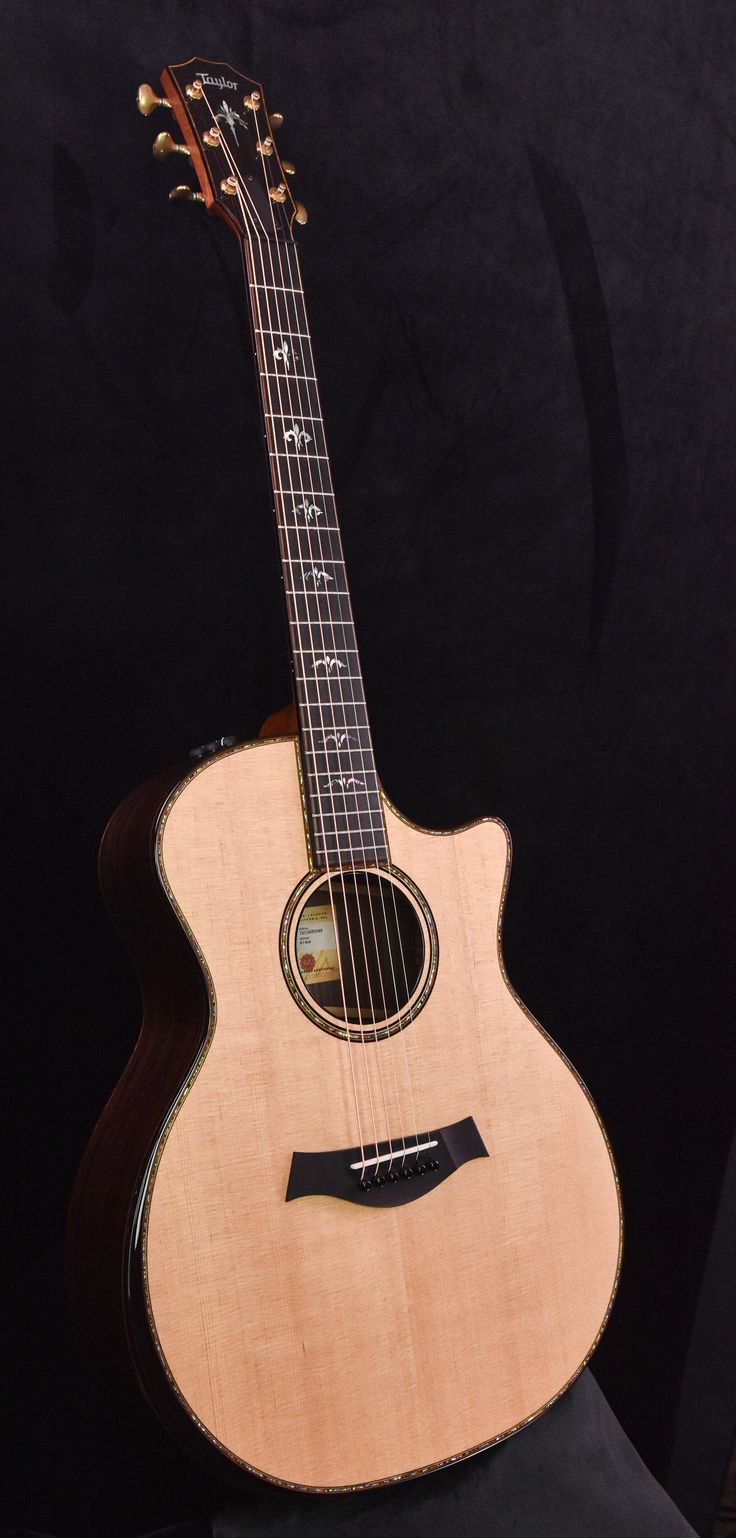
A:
[300,213]
[147,101]
[289,167]
[164,145]
[276,119]
[184,194]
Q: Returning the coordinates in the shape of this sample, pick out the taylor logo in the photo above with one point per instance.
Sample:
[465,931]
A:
[227,85]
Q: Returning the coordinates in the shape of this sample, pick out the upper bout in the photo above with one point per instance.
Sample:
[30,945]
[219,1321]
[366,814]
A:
[465,868]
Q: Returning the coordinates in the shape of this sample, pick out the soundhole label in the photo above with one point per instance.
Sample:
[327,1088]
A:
[316,946]
[359,951]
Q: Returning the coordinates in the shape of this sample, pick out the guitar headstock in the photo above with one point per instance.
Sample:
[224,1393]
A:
[228,135]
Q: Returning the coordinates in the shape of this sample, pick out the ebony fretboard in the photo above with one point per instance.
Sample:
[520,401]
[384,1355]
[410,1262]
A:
[337,753]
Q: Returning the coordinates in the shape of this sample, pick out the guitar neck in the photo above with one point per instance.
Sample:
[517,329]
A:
[341,784]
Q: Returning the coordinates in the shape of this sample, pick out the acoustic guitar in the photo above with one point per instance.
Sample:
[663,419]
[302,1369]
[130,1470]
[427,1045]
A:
[350,1212]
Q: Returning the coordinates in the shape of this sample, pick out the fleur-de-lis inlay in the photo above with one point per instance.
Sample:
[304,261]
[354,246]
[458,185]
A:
[344,782]
[317,576]
[283,354]
[231,118]
[298,435]
[337,737]
[328,663]
[309,509]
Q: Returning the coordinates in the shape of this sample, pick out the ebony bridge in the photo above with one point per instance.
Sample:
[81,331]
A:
[400,1170]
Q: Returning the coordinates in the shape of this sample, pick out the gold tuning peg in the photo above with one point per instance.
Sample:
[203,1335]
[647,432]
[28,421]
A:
[164,145]
[185,195]
[300,213]
[276,119]
[289,167]
[147,101]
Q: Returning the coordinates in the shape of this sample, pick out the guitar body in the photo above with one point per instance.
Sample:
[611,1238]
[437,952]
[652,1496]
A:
[325,1342]
[349,1211]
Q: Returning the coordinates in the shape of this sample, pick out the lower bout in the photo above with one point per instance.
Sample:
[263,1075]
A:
[352,1319]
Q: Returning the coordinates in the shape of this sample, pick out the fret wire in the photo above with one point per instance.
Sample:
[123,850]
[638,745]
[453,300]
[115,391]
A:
[296,378]
[319,679]
[325,752]
[358,704]
[324,560]
[341,726]
[346,626]
[303,459]
[306,651]
[310,531]
[363,856]
[374,810]
[370,812]
[310,592]
[337,614]
[358,827]
[343,679]
[342,844]
[302,555]
[299,528]
[285,376]
[268,331]
[284,416]
[318,654]
[294,491]
[350,811]
[308,683]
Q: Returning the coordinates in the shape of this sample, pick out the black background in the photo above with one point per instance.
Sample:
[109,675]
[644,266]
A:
[520,267]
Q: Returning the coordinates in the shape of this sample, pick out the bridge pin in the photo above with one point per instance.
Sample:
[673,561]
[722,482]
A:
[364,1185]
[393,1175]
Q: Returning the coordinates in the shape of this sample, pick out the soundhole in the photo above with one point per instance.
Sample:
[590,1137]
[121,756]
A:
[361,952]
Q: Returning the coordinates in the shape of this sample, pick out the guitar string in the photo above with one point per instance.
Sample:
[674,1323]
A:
[313,492]
[328,492]
[242,194]
[323,706]
[280,247]
[293,491]
[397,931]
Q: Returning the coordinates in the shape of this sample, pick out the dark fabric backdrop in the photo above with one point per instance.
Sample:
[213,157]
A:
[521,266]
